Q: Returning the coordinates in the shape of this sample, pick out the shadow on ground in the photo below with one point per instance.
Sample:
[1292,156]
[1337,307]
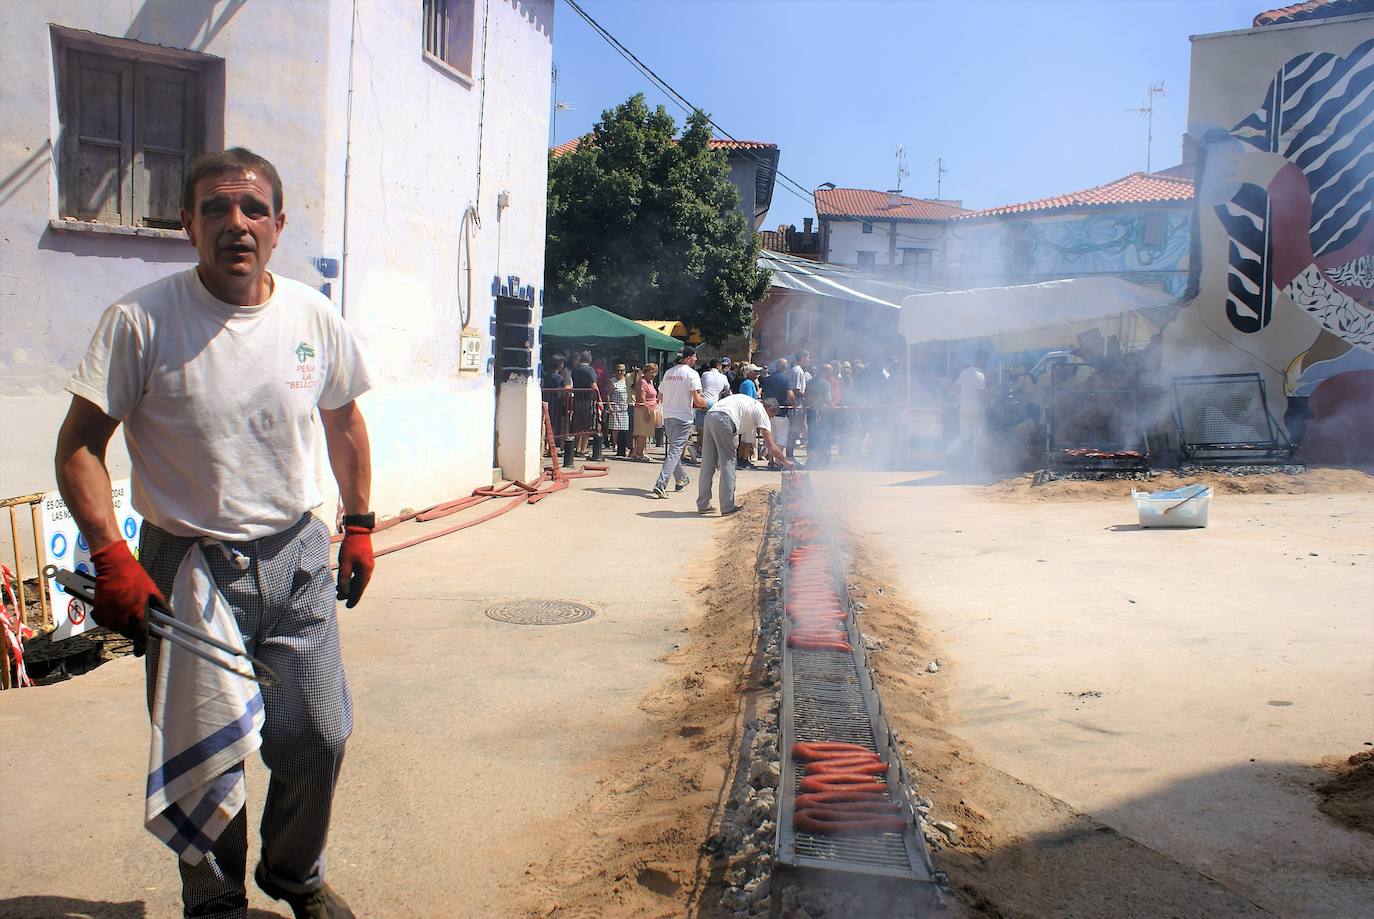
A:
[44,907]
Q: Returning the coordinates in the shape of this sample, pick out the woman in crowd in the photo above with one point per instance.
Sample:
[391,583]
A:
[646,411]
[618,410]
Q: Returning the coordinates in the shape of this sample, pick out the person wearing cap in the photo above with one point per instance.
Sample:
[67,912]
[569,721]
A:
[726,421]
[680,397]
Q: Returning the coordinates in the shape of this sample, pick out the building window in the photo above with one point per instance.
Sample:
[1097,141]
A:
[867,227]
[918,258]
[447,27]
[867,259]
[798,327]
[131,124]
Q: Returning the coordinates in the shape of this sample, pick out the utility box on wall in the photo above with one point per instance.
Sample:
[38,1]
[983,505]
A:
[471,356]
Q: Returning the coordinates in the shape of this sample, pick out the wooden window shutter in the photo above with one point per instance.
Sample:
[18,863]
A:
[167,122]
[98,137]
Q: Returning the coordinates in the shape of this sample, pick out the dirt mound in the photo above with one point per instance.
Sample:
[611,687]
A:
[1314,481]
[635,848]
[1348,798]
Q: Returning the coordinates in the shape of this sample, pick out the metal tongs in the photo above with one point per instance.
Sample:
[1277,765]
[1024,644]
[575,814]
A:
[162,624]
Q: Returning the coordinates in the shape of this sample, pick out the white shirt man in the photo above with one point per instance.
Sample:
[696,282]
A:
[680,396]
[726,421]
[972,383]
[713,384]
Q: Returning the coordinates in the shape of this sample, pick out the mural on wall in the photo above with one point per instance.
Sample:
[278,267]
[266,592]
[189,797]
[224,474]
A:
[1306,240]
[1148,247]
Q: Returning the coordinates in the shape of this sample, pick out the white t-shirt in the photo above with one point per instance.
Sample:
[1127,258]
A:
[746,412]
[713,383]
[799,378]
[971,384]
[675,392]
[218,401]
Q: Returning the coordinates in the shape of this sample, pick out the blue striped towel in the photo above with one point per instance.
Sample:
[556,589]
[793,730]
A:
[206,721]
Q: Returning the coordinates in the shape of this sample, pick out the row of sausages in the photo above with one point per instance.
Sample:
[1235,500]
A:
[843,788]
[843,791]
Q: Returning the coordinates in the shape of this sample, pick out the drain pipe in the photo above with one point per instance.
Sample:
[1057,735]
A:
[348,163]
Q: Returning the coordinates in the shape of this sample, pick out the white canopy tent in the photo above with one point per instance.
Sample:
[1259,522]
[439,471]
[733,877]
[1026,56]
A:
[793,273]
[986,312]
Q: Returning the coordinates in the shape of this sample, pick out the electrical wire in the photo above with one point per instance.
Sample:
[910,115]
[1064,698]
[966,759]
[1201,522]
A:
[788,183]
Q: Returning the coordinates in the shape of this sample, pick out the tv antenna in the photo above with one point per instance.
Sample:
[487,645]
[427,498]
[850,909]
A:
[902,171]
[1147,111]
[940,171]
[558,106]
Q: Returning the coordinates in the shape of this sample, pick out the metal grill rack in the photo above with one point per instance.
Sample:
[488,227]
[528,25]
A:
[1092,425]
[1224,418]
[830,696]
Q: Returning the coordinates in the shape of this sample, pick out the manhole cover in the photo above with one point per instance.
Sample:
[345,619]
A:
[540,612]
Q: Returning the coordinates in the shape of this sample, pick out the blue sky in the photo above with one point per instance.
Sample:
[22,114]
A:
[1021,98]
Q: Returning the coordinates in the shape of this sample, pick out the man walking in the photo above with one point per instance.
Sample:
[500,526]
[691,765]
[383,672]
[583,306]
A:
[216,373]
[973,384]
[726,422]
[680,397]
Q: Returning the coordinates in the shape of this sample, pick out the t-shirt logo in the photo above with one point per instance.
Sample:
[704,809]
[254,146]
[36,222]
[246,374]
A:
[306,368]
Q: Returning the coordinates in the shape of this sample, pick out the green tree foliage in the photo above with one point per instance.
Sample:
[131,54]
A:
[648,227]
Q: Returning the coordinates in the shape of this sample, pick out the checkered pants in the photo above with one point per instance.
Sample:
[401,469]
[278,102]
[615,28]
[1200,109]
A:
[284,603]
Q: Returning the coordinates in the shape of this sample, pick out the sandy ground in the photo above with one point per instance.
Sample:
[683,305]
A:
[473,738]
[1178,688]
[1126,723]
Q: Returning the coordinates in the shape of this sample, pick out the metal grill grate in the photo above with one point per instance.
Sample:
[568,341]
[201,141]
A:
[1227,416]
[1093,410]
[830,696]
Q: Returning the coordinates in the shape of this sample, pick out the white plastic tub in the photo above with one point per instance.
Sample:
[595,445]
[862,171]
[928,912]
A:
[1186,506]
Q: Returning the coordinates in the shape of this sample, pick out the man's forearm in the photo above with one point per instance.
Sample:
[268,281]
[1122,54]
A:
[84,483]
[350,456]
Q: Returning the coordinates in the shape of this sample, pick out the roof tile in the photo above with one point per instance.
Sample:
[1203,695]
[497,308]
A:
[868,203]
[1136,188]
[1313,9]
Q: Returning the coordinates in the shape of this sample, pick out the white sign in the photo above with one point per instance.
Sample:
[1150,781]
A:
[67,548]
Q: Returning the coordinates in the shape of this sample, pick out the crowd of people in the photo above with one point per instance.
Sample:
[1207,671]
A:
[830,407]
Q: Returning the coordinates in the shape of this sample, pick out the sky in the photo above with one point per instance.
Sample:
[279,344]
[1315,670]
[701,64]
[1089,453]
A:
[1021,99]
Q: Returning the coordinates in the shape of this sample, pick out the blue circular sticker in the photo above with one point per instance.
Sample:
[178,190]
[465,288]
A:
[130,528]
[83,567]
[59,545]
[81,542]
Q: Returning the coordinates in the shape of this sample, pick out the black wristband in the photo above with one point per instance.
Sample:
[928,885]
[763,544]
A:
[368,520]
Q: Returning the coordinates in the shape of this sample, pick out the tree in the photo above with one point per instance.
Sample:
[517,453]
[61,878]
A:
[649,227]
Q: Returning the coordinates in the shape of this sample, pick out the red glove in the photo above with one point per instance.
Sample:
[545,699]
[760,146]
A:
[355,564]
[122,591]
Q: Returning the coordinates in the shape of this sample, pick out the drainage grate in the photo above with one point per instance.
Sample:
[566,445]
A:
[540,612]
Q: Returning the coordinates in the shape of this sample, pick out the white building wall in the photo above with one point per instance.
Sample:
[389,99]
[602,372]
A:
[413,165]
[414,172]
[54,285]
[847,239]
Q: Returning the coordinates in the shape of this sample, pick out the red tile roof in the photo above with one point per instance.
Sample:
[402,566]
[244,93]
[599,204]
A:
[1136,188]
[869,204]
[1313,9]
[569,146]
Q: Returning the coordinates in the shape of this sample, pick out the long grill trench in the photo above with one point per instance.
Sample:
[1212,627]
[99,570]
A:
[831,695]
